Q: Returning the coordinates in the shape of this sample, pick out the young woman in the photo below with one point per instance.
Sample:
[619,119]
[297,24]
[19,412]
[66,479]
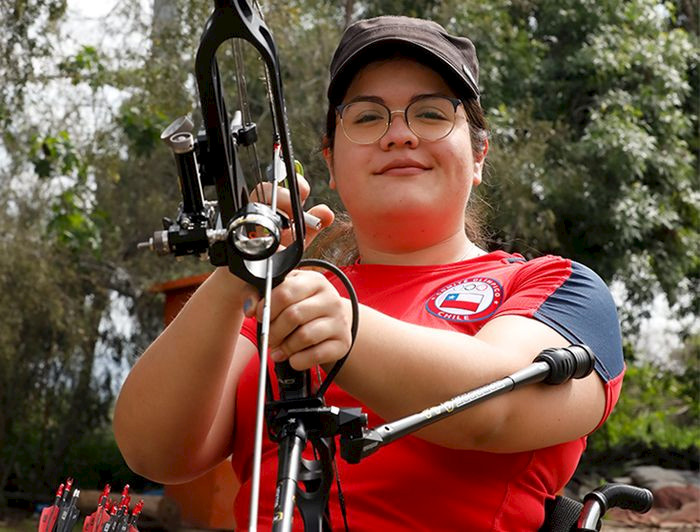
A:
[405,145]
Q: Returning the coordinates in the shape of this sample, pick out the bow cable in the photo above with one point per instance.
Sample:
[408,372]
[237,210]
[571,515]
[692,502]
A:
[245,108]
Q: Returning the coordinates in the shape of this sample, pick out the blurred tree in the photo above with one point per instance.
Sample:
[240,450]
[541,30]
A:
[594,111]
[658,407]
[409,8]
[621,178]
[68,224]
[25,26]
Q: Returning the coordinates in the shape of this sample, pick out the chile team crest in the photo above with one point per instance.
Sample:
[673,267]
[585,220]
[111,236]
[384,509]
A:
[472,299]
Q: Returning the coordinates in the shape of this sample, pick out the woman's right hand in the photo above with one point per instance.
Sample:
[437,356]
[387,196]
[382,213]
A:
[309,321]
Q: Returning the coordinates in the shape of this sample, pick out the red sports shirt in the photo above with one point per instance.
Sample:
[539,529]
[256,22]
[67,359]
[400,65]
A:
[415,485]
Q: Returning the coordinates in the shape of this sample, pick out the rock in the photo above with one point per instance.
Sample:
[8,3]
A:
[618,515]
[691,477]
[655,477]
[689,513]
[674,497]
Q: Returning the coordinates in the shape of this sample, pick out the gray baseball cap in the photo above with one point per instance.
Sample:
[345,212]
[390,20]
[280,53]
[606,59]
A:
[451,56]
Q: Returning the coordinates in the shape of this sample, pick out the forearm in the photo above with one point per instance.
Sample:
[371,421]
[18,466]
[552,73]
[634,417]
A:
[397,369]
[168,414]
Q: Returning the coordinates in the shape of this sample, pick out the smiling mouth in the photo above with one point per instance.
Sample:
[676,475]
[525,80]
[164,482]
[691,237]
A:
[402,168]
[402,171]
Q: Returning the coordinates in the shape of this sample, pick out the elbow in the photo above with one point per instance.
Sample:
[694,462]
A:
[141,465]
[164,462]
[478,429]
[150,464]
[134,455]
[142,458]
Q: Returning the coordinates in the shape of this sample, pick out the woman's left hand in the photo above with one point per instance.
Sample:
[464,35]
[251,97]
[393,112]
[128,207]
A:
[309,321]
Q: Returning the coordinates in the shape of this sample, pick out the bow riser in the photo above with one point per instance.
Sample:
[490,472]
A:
[235,19]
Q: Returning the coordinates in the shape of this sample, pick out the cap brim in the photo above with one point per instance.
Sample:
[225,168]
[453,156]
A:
[461,82]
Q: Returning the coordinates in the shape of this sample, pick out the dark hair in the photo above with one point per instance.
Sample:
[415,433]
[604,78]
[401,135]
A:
[337,243]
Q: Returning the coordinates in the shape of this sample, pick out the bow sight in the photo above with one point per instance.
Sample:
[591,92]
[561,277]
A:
[233,230]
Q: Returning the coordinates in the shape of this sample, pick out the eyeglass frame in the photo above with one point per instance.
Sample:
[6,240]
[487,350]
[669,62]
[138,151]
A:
[454,101]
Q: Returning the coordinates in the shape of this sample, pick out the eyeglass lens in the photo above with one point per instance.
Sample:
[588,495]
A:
[430,118]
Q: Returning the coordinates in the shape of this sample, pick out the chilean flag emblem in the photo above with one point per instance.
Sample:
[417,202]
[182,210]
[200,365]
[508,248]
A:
[466,300]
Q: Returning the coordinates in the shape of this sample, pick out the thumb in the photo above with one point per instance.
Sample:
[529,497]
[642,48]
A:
[325,215]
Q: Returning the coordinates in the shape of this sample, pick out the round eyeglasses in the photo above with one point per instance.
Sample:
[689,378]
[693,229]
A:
[429,118]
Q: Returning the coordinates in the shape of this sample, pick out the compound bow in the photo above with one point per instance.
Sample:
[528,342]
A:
[245,236]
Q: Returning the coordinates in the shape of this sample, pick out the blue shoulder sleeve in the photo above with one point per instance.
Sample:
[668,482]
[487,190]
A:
[582,311]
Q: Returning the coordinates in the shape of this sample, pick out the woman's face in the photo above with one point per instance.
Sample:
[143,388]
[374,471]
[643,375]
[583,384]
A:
[402,191]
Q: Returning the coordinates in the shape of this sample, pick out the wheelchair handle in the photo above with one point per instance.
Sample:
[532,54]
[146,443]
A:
[600,500]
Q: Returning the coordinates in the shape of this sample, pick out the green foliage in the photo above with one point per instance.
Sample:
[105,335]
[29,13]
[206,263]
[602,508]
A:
[657,406]
[617,93]
[62,262]
[55,156]
[96,457]
[142,129]
[509,54]
[514,172]
[25,26]
[71,225]
[73,221]
[84,65]
[49,331]
[409,8]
